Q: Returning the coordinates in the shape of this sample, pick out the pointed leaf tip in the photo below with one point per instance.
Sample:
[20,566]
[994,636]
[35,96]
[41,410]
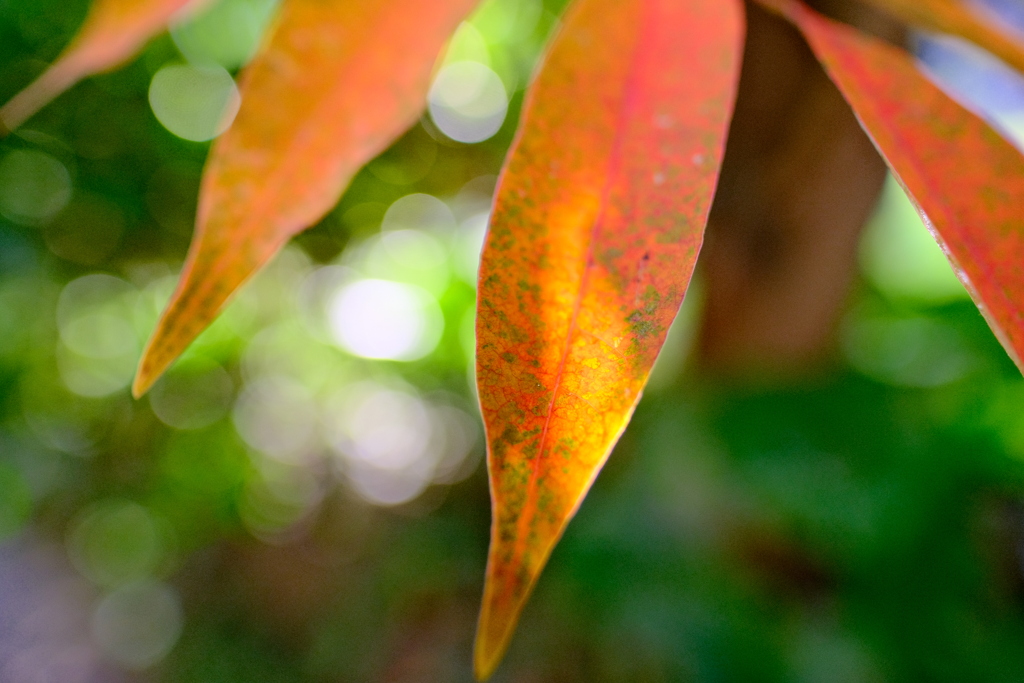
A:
[495,628]
[140,386]
[327,93]
[488,651]
[597,223]
[146,375]
[113,32]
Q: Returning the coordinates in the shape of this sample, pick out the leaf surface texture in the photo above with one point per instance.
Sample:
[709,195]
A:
[598,221]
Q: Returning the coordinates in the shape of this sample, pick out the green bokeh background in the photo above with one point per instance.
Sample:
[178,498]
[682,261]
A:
[862,525]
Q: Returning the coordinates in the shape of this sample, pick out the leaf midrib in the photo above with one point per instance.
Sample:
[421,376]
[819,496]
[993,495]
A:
[614,163]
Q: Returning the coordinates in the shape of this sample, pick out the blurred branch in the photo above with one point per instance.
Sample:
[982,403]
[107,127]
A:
[799,181]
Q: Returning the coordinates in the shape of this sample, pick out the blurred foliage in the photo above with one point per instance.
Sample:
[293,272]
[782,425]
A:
[283,507]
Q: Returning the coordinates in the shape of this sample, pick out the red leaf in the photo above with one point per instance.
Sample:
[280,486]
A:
[337,83]
[598,220]
[967,181]
[113,32]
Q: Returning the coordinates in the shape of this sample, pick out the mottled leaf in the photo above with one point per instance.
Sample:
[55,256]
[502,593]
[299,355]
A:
[598,220]
[966,180]
[114,31]
[334,86]
[962,19]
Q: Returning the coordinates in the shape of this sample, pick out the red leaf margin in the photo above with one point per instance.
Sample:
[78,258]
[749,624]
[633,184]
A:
[966,180]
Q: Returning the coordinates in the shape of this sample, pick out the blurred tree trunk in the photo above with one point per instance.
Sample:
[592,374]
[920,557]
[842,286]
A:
[800,178]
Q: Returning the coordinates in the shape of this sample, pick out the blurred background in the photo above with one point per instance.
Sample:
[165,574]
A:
[303,497]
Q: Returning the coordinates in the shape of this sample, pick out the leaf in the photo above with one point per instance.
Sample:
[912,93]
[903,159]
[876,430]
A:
[966,181]
[113,32]
[960,19]
[597,224]
[336,84]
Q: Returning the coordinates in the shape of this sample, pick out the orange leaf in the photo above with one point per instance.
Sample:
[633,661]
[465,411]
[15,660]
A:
[113,32]
[336,84]
[960,19]
[967,181]
[597,224]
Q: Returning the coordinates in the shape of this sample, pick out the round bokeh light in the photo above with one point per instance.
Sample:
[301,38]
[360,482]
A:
[385,320]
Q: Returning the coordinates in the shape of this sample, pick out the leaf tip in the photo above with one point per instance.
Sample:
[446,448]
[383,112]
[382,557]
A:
[149,371]
[502,604]
[10,118]
[142,383]
[488,651]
